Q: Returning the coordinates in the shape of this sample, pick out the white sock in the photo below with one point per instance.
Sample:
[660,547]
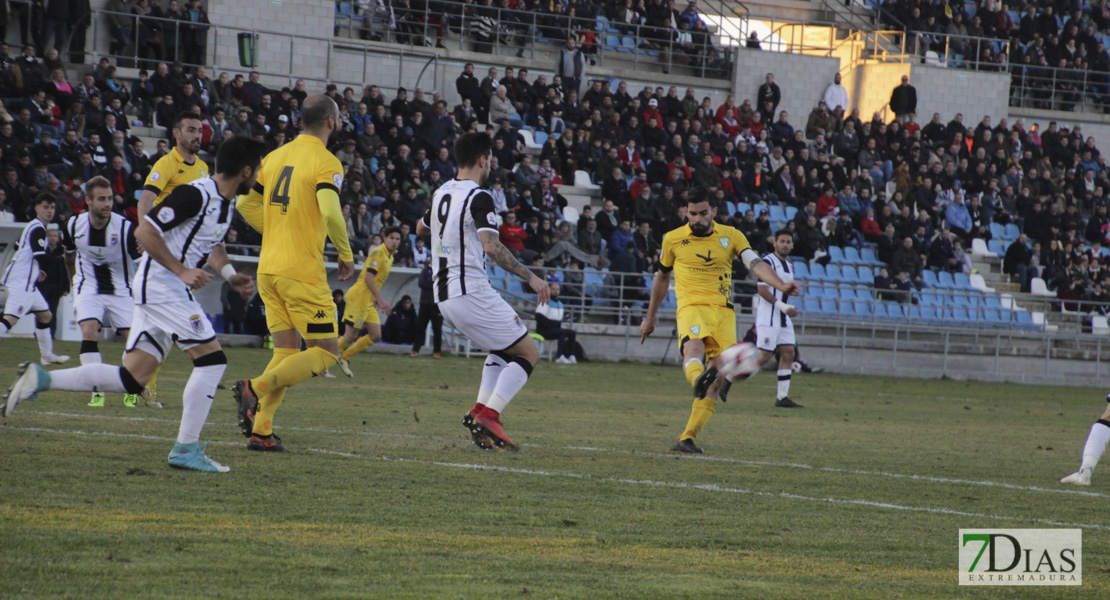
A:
[490,372]
[46,342]
[784,383]
[4,328]
[199,393]
[509,383]
[1096,444]
[88,378]
[90,358]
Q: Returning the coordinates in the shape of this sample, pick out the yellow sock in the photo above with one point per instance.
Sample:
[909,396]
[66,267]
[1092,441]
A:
[699,416]
[294,370]
[343,343]
[268,404]
[154,377]
[693,368]
[360,344]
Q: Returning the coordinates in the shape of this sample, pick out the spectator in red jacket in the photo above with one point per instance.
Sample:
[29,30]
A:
[826,203]
[512,234]
[870,227]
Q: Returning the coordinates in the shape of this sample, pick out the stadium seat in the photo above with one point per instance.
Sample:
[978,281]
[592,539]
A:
[817,272]
[1099,325]
[992,302]
[866,275]
[628,44]
[930,300]
[977,282]
[1038,287]
[851,256]
[962,282]
[991,317]
[998,230]
[1025,320]
[960,314]
[828,306]
[570,215]
[777,214]
[730,208]
[612,42]
[833,273]
[959,300]
[996,247]
[529,141]
[582,180]
[743,207]
[791,212]
[540,138]
[979,248]
[1012,232]
[801,270]
[927,314]
[811,305]
[836,255]
[817,291]
[944,280]
[867,255]
[849,273]
[929,278]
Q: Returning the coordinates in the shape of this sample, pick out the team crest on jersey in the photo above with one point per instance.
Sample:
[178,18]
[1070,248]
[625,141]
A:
[195,324]
[724,243]
[114,240]
[695,329]
[155,176]
[338,179]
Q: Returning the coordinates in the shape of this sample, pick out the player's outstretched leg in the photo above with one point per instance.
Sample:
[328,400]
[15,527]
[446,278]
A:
[33,379]
[200,390]
[1092,450]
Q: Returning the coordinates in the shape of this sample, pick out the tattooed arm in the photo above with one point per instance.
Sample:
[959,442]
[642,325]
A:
[501,257]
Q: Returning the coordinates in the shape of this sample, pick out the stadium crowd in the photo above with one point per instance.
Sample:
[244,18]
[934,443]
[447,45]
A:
[917,191]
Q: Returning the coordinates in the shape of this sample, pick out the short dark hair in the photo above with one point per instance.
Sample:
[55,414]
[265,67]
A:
[98,182]
[783,231]
[388,231]
[470,147]
[185,116]
[237,152]
[44,197]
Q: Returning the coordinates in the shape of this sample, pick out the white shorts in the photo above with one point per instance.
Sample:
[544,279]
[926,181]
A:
[156,327]
[485,318]
[21,302]
[95,306]
[768,337]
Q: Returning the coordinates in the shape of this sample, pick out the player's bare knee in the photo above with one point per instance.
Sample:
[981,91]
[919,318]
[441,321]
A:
[787,354]
[44,317]
[1106,413]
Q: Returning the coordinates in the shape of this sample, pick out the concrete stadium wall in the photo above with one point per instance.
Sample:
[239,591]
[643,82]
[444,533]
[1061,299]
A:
[801,78]
[951,91]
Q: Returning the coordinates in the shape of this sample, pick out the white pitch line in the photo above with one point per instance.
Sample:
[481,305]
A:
[723,459]
[704,487]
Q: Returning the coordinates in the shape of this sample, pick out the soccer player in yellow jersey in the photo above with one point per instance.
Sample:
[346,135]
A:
[364,300]
[701,253]
[295,205]
[179,167]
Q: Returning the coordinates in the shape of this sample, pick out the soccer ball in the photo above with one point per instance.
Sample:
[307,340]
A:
[739,361]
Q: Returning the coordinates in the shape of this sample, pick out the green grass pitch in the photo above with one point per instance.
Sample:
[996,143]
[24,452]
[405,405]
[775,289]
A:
[859,495]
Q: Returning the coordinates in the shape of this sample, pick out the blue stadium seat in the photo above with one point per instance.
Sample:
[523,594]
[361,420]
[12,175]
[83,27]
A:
[927,314]
[851,256]
[930,300]
[1012,232]
[540,137]
[1024,319]
[817,272]
[991,317]
[960,300]
[962,282]
[998,230]
[743,207]
[869,258]
[960,314]
[628,44]
[944,279]
[810,304]
[992,302]
[612,42]
[816,291]
[730,208]
[801,270]
[836,255]
[996,247]
[777,214]
[828,306]
[929,278]
[849,273]
[759,209]
[791,212]
[866,275]
[833,273]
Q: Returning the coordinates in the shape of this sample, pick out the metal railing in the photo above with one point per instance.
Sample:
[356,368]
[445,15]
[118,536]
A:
[959,51]
[340,54]
[539,35]
[1053,88]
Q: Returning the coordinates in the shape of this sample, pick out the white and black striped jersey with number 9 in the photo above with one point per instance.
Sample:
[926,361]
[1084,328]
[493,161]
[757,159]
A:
[460,209]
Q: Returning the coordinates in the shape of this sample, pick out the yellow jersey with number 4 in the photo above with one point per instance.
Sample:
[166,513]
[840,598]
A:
[702,264]
[293,231]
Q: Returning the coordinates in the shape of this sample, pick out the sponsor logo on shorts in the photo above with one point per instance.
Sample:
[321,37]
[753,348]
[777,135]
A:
[195,324]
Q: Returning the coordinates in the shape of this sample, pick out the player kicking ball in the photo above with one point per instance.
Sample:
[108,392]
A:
[463,225]
[1093,449]
[364,300]
[100,249]
[700,254]
[189,225]
[20,278]
[774,329]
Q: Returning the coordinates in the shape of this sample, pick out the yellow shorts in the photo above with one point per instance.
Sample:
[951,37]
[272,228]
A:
[714,325]
[360,308]
[292,304]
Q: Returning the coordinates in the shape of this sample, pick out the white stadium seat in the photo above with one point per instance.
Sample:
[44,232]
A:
[979,248]
[1099,325]
[979,283]
[1038,288]
[582,180]
[570,215]
[529,141]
